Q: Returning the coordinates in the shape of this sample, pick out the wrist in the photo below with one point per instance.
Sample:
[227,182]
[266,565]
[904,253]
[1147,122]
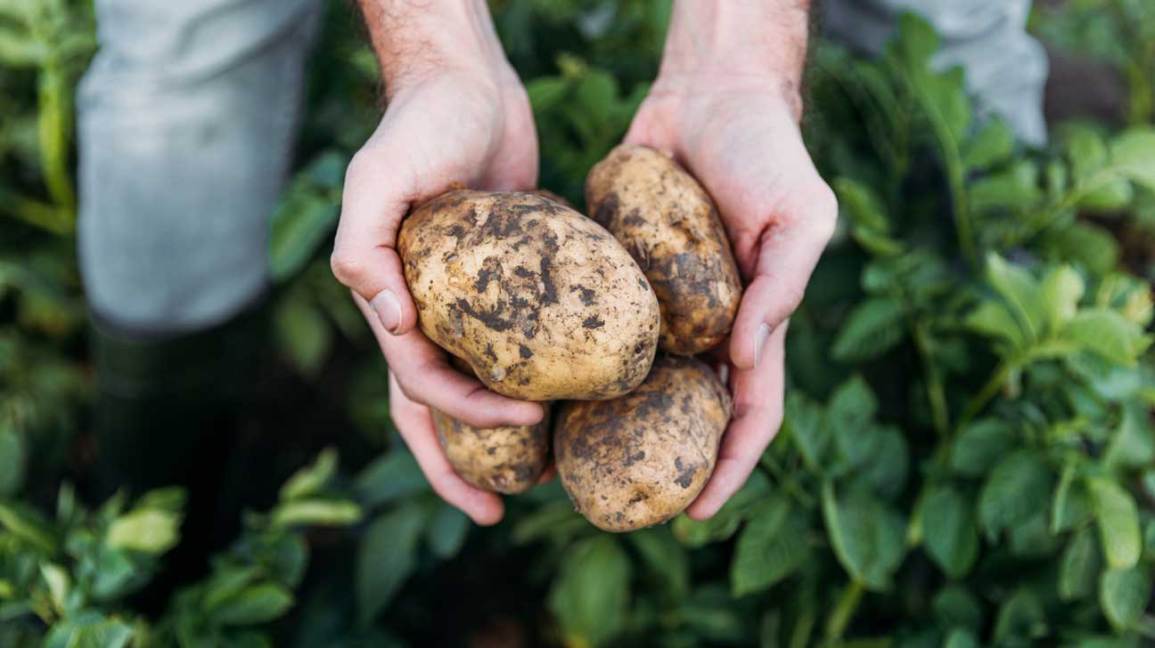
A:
[736,45]
[416,42]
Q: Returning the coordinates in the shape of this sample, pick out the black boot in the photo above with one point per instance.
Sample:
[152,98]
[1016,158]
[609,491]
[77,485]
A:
[166,414]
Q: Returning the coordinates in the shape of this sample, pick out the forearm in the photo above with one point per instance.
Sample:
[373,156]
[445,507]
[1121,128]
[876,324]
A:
[414,39]
[758,41]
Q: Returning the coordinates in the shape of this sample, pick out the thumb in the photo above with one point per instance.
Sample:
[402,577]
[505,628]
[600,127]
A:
[786,257]
[364,255]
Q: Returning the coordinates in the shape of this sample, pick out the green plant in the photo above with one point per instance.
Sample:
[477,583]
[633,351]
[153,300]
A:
[968,455]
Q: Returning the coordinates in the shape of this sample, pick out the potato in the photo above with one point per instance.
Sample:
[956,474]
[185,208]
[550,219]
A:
[640,459]
[540,301]
[506,459]
[670,225]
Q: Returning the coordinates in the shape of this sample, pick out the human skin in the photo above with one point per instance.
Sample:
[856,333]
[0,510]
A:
[726,104]
[456,114]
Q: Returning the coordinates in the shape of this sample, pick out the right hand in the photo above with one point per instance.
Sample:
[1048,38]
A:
[472,125]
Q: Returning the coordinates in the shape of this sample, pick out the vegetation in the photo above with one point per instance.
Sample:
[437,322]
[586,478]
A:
[968,455]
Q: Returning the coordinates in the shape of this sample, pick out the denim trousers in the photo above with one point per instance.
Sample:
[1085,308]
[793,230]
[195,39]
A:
[188,111]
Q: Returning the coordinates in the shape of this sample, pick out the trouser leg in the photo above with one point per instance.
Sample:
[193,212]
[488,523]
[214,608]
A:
[186,118]
[1006,68]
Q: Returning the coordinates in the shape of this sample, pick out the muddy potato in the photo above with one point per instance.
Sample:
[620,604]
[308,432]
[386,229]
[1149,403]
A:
[507,459]
[670,225]
[540,301]
[640,459]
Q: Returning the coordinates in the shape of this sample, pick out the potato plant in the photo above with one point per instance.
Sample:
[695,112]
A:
[968,453]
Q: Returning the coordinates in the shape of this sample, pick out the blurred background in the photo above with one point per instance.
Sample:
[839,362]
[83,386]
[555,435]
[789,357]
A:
[968,456]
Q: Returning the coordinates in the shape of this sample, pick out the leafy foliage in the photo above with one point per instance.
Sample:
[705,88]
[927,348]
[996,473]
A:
[968,452]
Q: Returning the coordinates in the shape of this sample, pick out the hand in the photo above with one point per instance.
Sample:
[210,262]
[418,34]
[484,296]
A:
[458,116]
[739,137]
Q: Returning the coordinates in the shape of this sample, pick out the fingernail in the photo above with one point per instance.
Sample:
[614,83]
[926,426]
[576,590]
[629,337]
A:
[724,373]
[388,310]
[760,342]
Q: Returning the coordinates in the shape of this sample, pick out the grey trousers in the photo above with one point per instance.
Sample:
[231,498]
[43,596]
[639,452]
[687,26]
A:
[187,114]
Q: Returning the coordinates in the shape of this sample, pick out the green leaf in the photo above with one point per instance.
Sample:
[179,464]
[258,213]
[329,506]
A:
[874,327]
[59,584]
[1016,188]
[994,143]
[27,525]
[1079,567]
[955,606]
[150,531]
[1062,289]
[979,446]
[725,522]
[546,92]
[1123,595]
[591,591]
[1071,507]
[253,605]
[861,204]
[1118,521]
[1133,154]
[1018,488]
[1086,151]
[1021,292]
[315,512]
[447,531]
[805,426]
[311,479]
[12,457]
[1132,444]
[867,536]
[302,223]
[1108,334]
[995,319]
[390,477]
[961,638]
[852,406]
[386,557]
[303,333]
[772,546]
[89,629]
[1085,244]
[1020,617]
[949,530]
[1107,196]
[665,559]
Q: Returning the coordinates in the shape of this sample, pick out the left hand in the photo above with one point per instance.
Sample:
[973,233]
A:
[740,138]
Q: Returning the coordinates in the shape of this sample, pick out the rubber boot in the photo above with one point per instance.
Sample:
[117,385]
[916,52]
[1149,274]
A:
[166,414]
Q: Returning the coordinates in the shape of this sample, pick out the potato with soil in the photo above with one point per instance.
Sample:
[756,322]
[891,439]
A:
[670,225]
[507,459]
[541,302]
[641,459]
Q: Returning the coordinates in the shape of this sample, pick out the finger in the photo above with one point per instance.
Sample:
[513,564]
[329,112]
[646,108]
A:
[547,475]
[787,255]
[758,397]
[415,424]
[423,371]
[373,204]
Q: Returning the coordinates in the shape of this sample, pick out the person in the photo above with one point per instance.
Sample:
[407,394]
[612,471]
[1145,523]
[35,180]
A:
[186,117]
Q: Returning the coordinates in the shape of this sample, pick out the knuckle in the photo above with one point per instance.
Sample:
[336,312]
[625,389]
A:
[826,210]
[346,267]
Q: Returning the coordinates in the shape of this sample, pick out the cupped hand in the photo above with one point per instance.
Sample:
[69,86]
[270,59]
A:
[740,138]
[471,127]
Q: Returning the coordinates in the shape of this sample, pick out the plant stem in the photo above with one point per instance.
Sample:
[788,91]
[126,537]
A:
[843,611]
[935,392]
[989,390]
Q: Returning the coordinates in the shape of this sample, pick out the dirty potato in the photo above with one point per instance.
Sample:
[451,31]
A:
[669,224]
[640,459]
[540,301]
[507,459]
